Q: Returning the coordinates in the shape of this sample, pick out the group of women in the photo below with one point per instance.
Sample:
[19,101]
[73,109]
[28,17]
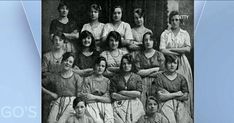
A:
[116,71]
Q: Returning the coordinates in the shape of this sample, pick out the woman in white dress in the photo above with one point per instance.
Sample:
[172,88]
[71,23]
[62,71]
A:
[118,25]
[94,26]
[177,41]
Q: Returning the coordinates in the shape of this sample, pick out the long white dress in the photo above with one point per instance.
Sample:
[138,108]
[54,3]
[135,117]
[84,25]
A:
[182,39]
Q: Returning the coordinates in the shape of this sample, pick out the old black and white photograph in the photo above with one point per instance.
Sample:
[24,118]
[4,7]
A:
[117,61]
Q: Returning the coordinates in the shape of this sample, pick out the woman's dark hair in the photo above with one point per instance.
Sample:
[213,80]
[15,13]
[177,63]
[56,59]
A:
[60,35]
[67,55]
[77,100]
[173,13]
[117,6]
[169,58]
[143,39]
[113,9]
[116,36]
[130,59]
[98,61]
[152,98]
[96,7]
[62,4]
[139,12]
[83,35]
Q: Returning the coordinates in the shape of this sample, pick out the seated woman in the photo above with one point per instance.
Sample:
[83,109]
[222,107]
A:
[79,105]
[96,92]
[65,25]
[126,90]
[152,114]
[113,54]
[171,90]
[67,86]
[87,55]
[138,30]
[118,25]
[148,62]
[94,26]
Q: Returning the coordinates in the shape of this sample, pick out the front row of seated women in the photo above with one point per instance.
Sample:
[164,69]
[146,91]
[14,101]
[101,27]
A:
[117,100]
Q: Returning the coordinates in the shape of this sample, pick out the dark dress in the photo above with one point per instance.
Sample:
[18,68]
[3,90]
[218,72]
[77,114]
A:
[127,111]
[66,89]
[69,27]
[175,110]
[142,62]
[84,62]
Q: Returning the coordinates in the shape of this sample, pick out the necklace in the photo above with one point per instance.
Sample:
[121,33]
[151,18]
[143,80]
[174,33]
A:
[116,55]
[57,60]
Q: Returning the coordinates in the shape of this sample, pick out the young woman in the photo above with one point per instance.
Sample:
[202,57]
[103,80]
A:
[172,92]
[87,55]
[79,105]
[96,92]
[94,26]
[51,60]
[65,25]
[113,54]
[118,25]
[152,115]
[67,86]
[51,63]
[126,88]
[138,30]
[177,41]
[148,62]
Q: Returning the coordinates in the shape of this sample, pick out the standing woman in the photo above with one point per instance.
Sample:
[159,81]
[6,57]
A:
[52,59]
[126,91]
[94,26]
[113,54]
[96,92]
[67,86]
[171,89]
[148,62]
[65,25]
[87,55]
[138,30]
[177,41]
[51,63]
[118,25]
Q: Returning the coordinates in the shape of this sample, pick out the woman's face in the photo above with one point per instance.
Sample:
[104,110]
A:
[127,67]
[148,42]
[63,11]
[94,14]
[152,106]
[175,21]
[139,21]
[80,109]
[113,43]
[100,68]
[58,42]
[117,14]
[67,64]
[86,42]
[172,66]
